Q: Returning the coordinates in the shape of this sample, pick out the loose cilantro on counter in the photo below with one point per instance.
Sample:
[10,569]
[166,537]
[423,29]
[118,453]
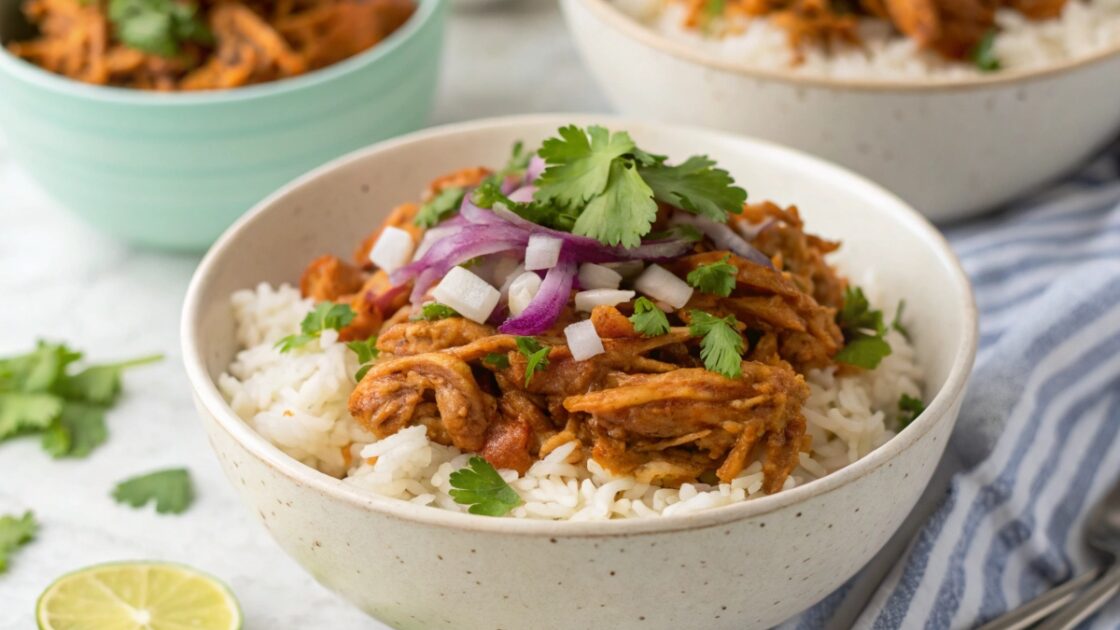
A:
[483,489]
[716,278]
[721,345]
[325,316]
[39,394]
[170,489]
[649,320]
[863,330]
[15,532]
[535,354]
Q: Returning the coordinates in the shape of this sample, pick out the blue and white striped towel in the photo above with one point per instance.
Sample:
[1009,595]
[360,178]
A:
[1039,435]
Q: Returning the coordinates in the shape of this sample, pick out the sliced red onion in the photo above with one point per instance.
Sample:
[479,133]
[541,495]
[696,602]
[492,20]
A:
[548,303]
[750,231]
[523,194]
[723,237]
[535,168]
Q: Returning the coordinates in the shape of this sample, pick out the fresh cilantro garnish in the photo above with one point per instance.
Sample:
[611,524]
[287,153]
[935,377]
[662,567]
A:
[536,356]
[15,532]
[679,231]
[721,345]
[490,193]
[367,351]
[716,278]
[623,212]
[326,315]
[984,55]
[517,164]
[897,324]
[171,490]
[438,208]
[481,487]
[863,330]
[909,408]
[433,311]
[39,395]
[580,164]
[696,186]
[158,27]
[649,320]
[497,360]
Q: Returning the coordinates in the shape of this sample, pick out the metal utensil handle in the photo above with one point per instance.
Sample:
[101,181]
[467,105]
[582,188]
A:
[1041,606]
[1094,597]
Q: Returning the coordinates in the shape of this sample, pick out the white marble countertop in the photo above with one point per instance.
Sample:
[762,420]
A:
[62,281]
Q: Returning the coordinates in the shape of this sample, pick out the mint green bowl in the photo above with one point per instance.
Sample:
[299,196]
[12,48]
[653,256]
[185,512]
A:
[172,171]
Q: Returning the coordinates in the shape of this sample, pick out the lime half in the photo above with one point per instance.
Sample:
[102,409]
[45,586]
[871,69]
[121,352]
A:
[138,596]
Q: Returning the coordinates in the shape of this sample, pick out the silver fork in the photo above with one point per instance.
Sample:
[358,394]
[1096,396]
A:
[1102,533]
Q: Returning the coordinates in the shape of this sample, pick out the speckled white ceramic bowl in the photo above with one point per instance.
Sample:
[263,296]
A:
[742,566]
[951,148]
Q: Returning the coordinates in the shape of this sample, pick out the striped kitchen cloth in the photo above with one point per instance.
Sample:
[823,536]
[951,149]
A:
[1038,441]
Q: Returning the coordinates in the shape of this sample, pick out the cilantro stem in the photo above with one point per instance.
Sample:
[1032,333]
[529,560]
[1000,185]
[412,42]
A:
[146,360]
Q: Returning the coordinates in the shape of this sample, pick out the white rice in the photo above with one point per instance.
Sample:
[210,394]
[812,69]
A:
[298,402]
[1085,27]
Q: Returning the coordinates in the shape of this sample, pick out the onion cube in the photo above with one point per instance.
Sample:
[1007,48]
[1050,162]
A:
[522,291]
[583,341]
[588,300]
[592,276]
[660,284]
[542,252]
[392,250]
[468,294]
[628,269]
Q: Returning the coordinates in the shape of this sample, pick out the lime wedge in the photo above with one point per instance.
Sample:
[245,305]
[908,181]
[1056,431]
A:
[138,596]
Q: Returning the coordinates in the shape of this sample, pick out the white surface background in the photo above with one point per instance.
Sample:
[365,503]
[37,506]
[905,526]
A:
[62,281]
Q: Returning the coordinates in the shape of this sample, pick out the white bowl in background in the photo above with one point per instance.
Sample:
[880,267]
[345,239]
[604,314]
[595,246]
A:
[951,148]
[746,565]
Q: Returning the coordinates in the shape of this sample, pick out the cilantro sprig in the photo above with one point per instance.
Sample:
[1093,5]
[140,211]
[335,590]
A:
[721,345]
[171,490]
[434,311]
[41,394]
[325,316]
[367,351]
[536,356]
[15,532]
[983,55]
[497,360]
[909,408]
[864,331]
[649,320]
[483,489]
[159,27]
[438,208]
[716,278]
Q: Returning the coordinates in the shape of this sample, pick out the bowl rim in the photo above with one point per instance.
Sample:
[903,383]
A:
[210,401]
[631,28]
[426,11]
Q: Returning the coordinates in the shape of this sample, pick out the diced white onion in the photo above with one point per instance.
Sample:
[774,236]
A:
[583,341]
[660,284]
[522,291]
[508,280]
[543,252]
[468,294]
[588,300]
[592,276]
[628,269]
[392,250]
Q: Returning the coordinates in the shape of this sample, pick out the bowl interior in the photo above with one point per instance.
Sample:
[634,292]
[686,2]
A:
[331,209]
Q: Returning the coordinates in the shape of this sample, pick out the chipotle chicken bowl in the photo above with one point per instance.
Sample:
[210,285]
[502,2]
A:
[564,371]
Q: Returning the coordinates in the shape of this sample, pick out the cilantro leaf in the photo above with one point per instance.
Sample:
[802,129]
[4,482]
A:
[716,278]
[697,187]
[38,370]
[15,532]
[326,315]
[536,356]
[909,408]
[434,311]
[863,330]
[579,164]
[897,324]
[367,351]
[438,208]
[623,212]
[517,164]
[100,384]
[170,489]
[983,55]
[647,319]
[21,412]
[77,431]
[721,345]
[481,487]
[158,27]
[497,360]
[489,193]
